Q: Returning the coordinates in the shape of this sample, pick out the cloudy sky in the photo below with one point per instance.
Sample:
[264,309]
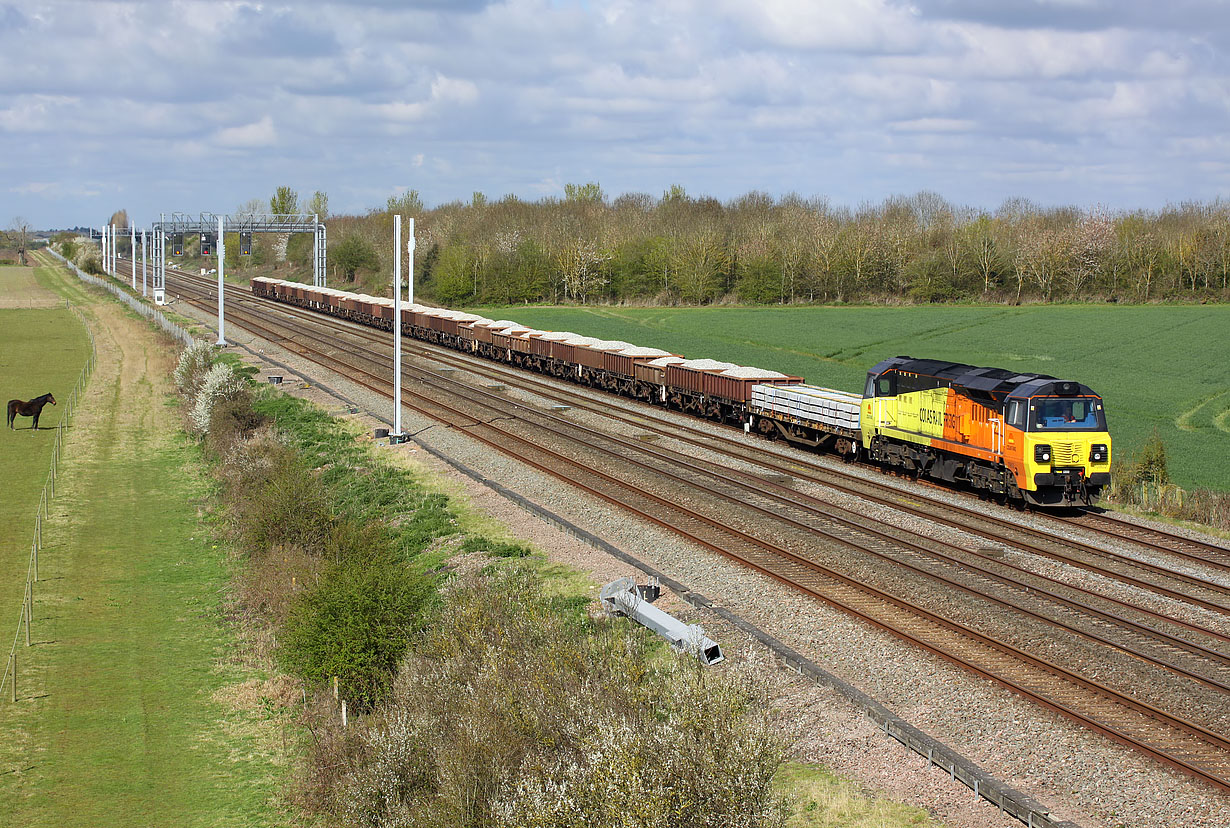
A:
[177,105]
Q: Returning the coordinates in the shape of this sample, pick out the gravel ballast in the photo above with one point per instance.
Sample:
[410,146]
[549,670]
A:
[1078,775]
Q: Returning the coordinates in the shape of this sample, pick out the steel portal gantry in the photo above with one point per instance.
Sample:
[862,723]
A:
[244,223]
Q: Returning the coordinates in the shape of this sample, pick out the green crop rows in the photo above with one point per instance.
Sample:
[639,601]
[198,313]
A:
[1157,367]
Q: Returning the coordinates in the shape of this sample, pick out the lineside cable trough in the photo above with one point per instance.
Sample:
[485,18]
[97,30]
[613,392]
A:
[623,597]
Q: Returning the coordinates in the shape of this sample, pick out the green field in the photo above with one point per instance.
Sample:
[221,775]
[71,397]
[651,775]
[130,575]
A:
[129,704]
[41,350]
[1164,368]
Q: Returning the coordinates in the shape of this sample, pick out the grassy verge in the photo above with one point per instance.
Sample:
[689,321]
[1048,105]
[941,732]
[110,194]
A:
[131,706]
[507,704]
[821,800]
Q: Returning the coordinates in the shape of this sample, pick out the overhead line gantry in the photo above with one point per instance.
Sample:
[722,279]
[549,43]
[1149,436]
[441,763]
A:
[245,224]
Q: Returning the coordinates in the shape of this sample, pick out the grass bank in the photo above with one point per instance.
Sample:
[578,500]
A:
[131,699]
[1160,368]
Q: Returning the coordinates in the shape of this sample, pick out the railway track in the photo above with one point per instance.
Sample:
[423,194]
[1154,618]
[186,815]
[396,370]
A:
[1205,553]
[1198,748]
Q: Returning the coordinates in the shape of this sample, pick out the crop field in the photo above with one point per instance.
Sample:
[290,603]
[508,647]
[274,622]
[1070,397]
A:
[1158,367]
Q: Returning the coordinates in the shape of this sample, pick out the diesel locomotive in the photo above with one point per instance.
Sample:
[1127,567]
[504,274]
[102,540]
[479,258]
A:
[1021,438]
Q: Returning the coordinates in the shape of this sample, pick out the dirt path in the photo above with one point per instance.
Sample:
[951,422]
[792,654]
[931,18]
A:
[117,724]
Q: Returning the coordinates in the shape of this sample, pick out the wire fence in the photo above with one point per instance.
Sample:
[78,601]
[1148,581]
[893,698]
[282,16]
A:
[127,298]
[25,617]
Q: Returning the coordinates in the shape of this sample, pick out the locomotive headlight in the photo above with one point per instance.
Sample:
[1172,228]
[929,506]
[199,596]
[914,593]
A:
[1042,453]
[1098,453]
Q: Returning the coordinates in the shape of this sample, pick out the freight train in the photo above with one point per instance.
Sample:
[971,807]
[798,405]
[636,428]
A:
[1019,438]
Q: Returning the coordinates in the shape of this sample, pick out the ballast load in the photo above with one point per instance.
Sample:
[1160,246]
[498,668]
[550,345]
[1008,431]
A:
[1019,437]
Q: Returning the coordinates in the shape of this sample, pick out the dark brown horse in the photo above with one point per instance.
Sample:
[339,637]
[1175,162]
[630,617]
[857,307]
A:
[32,408]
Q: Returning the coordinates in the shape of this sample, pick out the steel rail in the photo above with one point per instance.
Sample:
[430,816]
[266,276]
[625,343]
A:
[854,521]
[1217,556]
[587,469]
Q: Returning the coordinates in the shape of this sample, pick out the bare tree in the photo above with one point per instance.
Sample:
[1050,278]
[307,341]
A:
[251,207]
[1092,243]
[20,231]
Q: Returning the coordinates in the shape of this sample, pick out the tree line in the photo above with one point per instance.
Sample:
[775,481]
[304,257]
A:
[755,249]
[679,249]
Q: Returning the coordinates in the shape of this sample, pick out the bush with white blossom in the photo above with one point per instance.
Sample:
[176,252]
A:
[220,384]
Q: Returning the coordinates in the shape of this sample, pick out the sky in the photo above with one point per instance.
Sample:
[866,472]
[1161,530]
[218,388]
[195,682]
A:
[176,105]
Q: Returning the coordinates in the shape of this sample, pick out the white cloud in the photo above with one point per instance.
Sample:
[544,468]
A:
[453,90]
[833,25]
[257,134]
[852,98]
[948,125]
[444,92]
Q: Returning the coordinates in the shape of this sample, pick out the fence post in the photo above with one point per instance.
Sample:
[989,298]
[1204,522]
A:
[25,611]
[343,713]
[13,670]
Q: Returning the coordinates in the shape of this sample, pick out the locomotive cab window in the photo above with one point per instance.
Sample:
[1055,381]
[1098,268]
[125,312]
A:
[1015,414]
[1066,414]
[886,385]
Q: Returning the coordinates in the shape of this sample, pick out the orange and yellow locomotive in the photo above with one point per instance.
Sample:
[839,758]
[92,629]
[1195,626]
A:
[1020,436]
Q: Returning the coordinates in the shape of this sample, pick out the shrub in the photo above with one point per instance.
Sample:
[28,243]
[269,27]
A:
[1151,467]
[1144,482]
[280,503]
[495,549]
[194,363]
[516,709]
[356,624]
[232,421]
[352,254]
[221,384]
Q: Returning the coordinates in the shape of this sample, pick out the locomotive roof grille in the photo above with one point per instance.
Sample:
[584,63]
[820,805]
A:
[979,381]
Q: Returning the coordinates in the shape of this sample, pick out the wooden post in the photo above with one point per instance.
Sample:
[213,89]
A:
[335,688]
[25,611]
[13,665]
[343,713]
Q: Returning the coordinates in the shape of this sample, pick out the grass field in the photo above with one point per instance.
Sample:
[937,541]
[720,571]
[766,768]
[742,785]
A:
[20,288]
[41,350]
[1158,367]
[126,713]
